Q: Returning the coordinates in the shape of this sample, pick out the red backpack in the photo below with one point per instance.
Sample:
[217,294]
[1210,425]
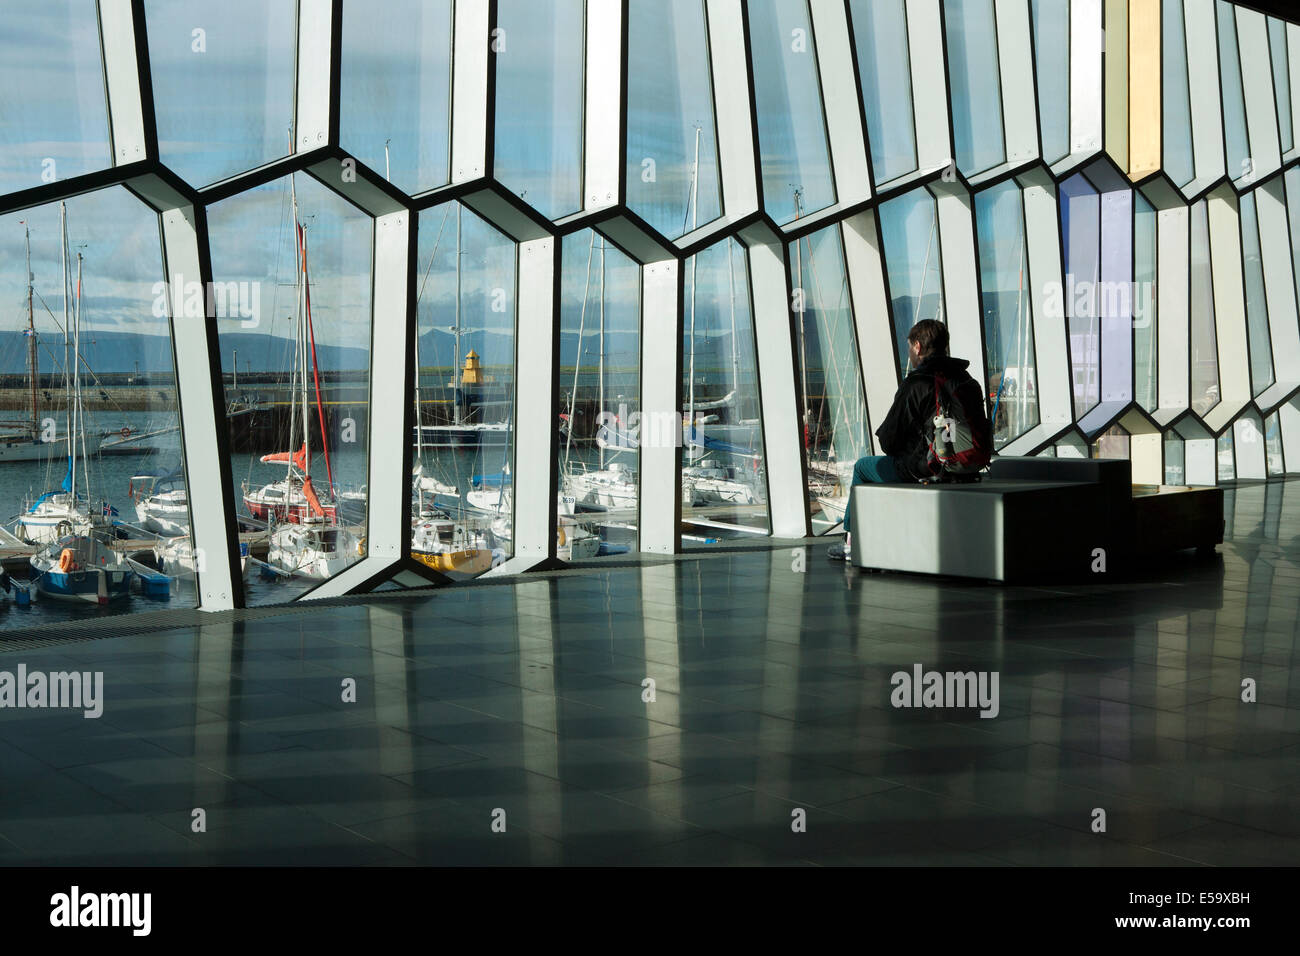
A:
[963,437]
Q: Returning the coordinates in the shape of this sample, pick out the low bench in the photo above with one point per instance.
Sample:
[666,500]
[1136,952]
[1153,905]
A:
[1028,519]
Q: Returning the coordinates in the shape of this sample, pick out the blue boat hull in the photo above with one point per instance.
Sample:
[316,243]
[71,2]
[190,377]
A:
[85,585]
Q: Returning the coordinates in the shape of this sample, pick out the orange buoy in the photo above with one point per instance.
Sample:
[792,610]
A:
[67,560]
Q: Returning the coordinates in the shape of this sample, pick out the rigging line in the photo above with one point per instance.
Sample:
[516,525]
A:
[577,364]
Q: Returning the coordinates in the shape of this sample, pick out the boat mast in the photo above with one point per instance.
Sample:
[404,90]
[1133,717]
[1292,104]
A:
[695,222]
[33,372]
[81,411]
[76,383]
[293,383]
[455,368]
[601,374]
[577,362]
[67,323]
[731,283]
[803,302]
[302,350]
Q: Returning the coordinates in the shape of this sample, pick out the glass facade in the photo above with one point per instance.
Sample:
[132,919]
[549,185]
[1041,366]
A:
[317,306]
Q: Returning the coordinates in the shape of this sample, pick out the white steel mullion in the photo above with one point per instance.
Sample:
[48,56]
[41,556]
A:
[1087,40]
[1279,280]
[1293,73]
[844,127]
[960,288]
[536,463]
[1019,93]
[660,497]
[866,275]
[122,82]
[1173,309]
[1257,90]
[1051,345]
[1201,30]
[602,152]
[469,89]
[312,106]
[731,101]
[787,490]
[925,49]
[1229,308]
[202,413]
[1248,442]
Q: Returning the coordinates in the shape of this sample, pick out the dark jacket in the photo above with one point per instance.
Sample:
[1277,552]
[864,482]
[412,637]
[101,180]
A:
[908,429]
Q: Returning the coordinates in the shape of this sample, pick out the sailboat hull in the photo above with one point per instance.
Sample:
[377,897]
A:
[25,449]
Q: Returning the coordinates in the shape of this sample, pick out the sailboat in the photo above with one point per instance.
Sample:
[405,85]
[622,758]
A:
[66,511]
[161,503]
[80,567]
[22,441]
[311,543]
[74,564]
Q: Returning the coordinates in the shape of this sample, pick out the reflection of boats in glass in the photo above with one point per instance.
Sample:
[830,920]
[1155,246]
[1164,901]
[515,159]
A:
[313,548]
[80,567]
[176,556]
[445,544]
[66,511]
[161,503]
[312,544]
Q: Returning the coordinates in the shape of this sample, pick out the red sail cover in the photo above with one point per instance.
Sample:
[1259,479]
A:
[309,493]
[299,457]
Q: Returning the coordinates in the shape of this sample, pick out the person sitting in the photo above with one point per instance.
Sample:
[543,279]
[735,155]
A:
[908,431]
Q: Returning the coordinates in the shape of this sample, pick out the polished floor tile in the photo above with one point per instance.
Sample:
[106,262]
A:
[720,709]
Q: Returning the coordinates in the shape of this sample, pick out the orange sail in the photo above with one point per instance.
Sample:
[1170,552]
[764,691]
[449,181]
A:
[299,457]
[309,493]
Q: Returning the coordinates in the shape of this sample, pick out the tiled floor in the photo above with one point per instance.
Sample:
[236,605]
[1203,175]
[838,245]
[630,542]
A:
[525,704]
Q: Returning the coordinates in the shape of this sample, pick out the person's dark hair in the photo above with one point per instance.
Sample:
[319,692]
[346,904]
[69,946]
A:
[931,335]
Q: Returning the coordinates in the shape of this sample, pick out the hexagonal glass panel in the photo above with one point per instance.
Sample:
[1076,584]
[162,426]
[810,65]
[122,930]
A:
[1176,129]
[396,90]
[1257,332]
[53,119]
[833,404]
[295,261]
[884,70]
[223,84]
[1205,355]
[909,228]
[1098,297]
[672,150]
[1112,443]
[600,395]
[1051,31]
[91,458]
[1273,445]
[462,511]
[1175,452]
[1225,450]
[970,34]
[796,164]
[1008,310]
[1292,181]
[1277,44]
[724,481]
[1236,137]
[1145,250]
[539,97]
